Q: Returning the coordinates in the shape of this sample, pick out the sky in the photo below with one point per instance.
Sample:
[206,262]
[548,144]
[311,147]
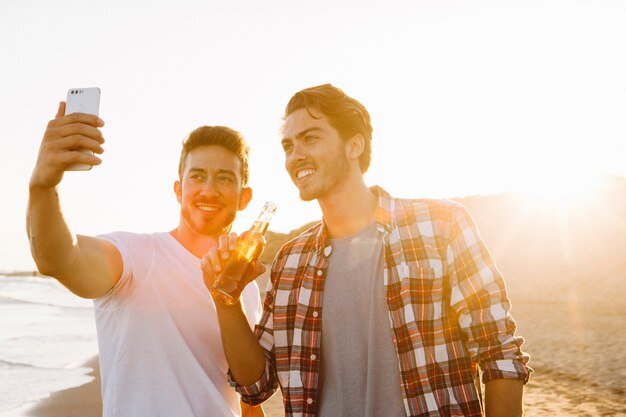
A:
[466,97]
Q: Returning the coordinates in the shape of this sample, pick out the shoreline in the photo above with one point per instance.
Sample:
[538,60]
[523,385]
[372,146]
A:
[86,400]
[82,401]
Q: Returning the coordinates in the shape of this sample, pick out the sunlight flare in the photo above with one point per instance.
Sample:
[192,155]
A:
[558,190]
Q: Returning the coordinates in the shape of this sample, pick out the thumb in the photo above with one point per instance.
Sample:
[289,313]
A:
[261,268]
[60,110]
[255,269]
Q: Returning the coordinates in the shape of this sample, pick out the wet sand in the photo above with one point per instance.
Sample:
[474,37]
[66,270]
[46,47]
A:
[83,401]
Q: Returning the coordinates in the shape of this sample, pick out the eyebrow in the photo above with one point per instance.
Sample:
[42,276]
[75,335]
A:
[303,133]
[219,171]
[227,171]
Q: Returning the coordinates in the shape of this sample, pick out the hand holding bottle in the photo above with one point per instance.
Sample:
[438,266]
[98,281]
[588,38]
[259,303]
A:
[214,260]
[228,268]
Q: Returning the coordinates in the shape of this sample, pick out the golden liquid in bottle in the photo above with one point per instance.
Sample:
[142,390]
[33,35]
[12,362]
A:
[229,285]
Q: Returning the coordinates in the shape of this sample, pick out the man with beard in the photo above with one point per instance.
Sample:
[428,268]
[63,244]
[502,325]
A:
[158,337]
[385,308]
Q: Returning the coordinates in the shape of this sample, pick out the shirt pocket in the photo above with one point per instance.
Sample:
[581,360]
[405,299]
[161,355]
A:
[425,284]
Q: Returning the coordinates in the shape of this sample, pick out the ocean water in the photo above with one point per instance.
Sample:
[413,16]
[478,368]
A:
[46,334]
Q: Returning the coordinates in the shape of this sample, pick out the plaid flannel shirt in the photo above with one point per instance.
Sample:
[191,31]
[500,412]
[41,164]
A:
[448,311]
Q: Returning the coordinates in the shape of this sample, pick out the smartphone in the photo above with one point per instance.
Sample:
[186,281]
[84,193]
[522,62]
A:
[82,100]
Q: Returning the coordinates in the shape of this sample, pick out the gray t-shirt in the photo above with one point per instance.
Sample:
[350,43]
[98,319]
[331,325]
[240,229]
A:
[360,373]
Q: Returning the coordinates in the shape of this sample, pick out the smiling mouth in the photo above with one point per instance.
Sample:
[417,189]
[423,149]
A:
[300,175]
[207,209]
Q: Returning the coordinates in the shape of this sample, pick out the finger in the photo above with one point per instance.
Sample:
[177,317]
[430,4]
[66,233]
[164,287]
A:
[78,129]
[260,268]
[214,262]
[232,241]
[207,272]
[85,157]
[206,265]
[224,247]
[81,143]
[254,270]
[68,158]
[60,110]
[72,143]
[84,118]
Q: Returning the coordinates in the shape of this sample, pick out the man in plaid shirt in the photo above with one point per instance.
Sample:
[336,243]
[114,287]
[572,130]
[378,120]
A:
[386,307]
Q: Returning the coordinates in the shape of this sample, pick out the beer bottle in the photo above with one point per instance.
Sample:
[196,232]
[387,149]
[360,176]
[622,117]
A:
[230,283]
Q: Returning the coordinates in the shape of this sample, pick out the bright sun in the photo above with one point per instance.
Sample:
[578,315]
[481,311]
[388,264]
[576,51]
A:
[558,190]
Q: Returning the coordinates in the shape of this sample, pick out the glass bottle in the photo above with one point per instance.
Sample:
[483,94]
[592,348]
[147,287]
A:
[230,283]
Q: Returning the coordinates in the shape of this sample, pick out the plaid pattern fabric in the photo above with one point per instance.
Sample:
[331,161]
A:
[448,310]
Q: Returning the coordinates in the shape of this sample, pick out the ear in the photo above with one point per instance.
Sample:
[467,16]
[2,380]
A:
[355,146]
[178,190]
[246,196]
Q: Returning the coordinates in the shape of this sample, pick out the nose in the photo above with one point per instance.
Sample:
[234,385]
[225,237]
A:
[296,155]
[210,188]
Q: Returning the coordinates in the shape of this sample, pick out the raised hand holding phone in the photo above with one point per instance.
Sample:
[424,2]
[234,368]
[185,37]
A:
[62,139]
[82,100]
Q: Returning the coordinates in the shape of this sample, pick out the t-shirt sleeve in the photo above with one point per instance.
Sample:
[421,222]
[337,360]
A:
[132,248]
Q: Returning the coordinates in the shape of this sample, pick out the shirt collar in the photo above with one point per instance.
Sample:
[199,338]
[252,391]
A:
[385,208]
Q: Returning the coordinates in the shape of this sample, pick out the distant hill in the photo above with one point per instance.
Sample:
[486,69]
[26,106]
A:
[546,254]
[276,240]
[577,253]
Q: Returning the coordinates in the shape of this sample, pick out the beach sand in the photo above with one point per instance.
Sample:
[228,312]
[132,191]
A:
[86,401]
[83,401]
[576,351]
[546,395]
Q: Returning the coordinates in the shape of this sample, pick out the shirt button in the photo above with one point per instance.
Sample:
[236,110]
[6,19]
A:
[309,400]
[319,272]
[313,357]
[315,314]
[328,250]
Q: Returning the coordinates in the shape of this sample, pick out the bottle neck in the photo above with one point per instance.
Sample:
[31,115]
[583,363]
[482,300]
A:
[260,227]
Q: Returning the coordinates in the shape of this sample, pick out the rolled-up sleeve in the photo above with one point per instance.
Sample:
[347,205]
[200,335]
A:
[478,296]
[261,390]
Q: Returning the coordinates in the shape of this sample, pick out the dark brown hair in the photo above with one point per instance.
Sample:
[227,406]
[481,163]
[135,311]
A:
[347,115]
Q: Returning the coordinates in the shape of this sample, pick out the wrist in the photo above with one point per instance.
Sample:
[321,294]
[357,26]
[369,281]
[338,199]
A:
[34,186]
[227,308]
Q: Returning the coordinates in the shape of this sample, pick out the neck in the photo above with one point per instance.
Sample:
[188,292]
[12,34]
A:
[349,210]
[195,243]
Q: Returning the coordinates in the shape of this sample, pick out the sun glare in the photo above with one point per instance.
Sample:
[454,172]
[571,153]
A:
[559,191]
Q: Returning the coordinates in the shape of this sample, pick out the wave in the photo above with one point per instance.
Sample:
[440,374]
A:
[9,364]
[20,300]
[40,291]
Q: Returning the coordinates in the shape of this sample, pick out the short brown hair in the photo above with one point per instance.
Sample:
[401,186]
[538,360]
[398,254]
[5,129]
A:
[220,136]
[344,113]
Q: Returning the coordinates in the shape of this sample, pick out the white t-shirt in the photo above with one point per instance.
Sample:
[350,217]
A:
[160,345]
